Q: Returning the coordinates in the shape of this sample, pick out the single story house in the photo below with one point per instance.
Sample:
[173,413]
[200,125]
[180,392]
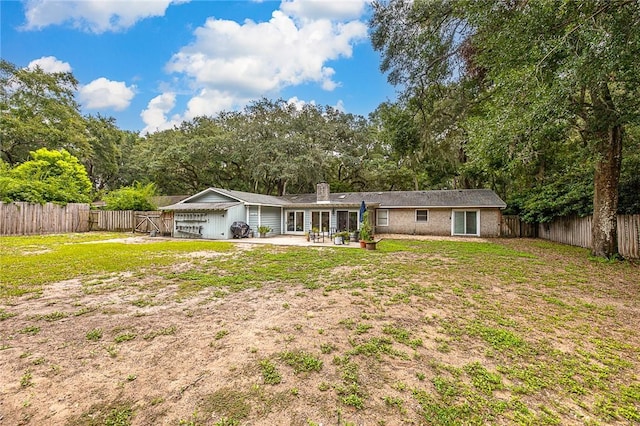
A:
[465,212]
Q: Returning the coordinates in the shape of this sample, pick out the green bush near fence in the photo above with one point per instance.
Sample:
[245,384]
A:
[136,197]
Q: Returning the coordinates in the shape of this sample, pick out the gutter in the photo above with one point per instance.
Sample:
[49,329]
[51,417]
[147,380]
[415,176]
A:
[441,207]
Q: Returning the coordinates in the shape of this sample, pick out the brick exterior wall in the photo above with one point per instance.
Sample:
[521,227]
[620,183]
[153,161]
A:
[403,221]
[490,222]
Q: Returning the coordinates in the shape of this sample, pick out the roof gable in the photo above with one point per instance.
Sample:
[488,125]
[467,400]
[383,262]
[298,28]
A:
[210,195]
[217,197]
[251,198]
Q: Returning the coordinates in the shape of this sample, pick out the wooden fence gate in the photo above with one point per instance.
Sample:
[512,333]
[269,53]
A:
[154,223]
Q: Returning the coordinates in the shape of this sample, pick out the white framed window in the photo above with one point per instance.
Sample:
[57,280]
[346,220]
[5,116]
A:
[465,222]
[295,221]
[422,215]
[320,220]
[382,217]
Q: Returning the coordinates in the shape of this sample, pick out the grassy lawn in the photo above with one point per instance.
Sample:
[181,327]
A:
[521,332]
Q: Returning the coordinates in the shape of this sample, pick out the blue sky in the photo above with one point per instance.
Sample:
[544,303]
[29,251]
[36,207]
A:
[154,63]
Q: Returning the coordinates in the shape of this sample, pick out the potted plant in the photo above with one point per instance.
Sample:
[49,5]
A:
[341,237]
[366,231]
[314,235]
[263,231]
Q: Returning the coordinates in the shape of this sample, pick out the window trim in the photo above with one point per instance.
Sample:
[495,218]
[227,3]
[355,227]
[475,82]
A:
[295,222]
[349,224]
[378,217]
[453,223]
[426,216]
[320,212]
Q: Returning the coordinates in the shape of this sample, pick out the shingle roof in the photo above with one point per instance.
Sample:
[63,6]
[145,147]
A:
[251,198]
[167,200]
[454,198]
[200,206]
[396,199]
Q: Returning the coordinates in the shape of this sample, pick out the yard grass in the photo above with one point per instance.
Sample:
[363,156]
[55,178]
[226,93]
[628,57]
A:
[27,263]
[420,331]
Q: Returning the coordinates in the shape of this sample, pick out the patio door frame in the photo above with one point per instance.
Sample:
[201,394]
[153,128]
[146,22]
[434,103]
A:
[351,226]
[321,214]
[296,224]
[465,225]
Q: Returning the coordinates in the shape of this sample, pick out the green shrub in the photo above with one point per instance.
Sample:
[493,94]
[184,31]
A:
[136,197]
[50,176]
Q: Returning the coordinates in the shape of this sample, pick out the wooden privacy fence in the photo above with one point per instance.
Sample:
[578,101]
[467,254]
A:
[22,218]
[514,227]
[576,231]
[128,220]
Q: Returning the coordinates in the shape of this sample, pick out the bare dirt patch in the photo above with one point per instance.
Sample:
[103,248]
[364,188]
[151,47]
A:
[72,374]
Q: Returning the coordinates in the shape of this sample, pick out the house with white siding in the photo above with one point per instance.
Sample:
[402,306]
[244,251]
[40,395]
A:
[466,212]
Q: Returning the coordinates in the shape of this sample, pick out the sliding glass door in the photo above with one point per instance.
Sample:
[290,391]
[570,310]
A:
[320,220]
[347,220]
[466,222]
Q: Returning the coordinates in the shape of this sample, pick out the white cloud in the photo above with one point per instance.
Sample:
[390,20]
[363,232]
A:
[155,116]
[50,64]
[324,9]
[229,63]
[299,103]
[205,103]
[254,59]
[102,93]
[210,102]
[95,16]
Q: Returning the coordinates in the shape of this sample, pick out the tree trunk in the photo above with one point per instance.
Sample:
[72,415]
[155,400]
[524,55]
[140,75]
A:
[282,187]
[609,133]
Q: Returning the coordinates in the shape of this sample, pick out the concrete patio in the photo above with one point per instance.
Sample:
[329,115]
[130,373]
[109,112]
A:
[293,240]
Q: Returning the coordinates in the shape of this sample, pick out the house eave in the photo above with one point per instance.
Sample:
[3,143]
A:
[330,205]
[200,207]
[441,207]
[265,205]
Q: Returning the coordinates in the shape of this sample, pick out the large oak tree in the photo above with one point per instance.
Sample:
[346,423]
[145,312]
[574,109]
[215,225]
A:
[38,110]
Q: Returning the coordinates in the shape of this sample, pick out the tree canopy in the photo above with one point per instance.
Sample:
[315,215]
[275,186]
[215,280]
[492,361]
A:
[270,146]
[522,83]
[38,110]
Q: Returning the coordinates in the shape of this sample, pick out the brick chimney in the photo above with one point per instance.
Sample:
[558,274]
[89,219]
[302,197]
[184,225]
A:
[322,193]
